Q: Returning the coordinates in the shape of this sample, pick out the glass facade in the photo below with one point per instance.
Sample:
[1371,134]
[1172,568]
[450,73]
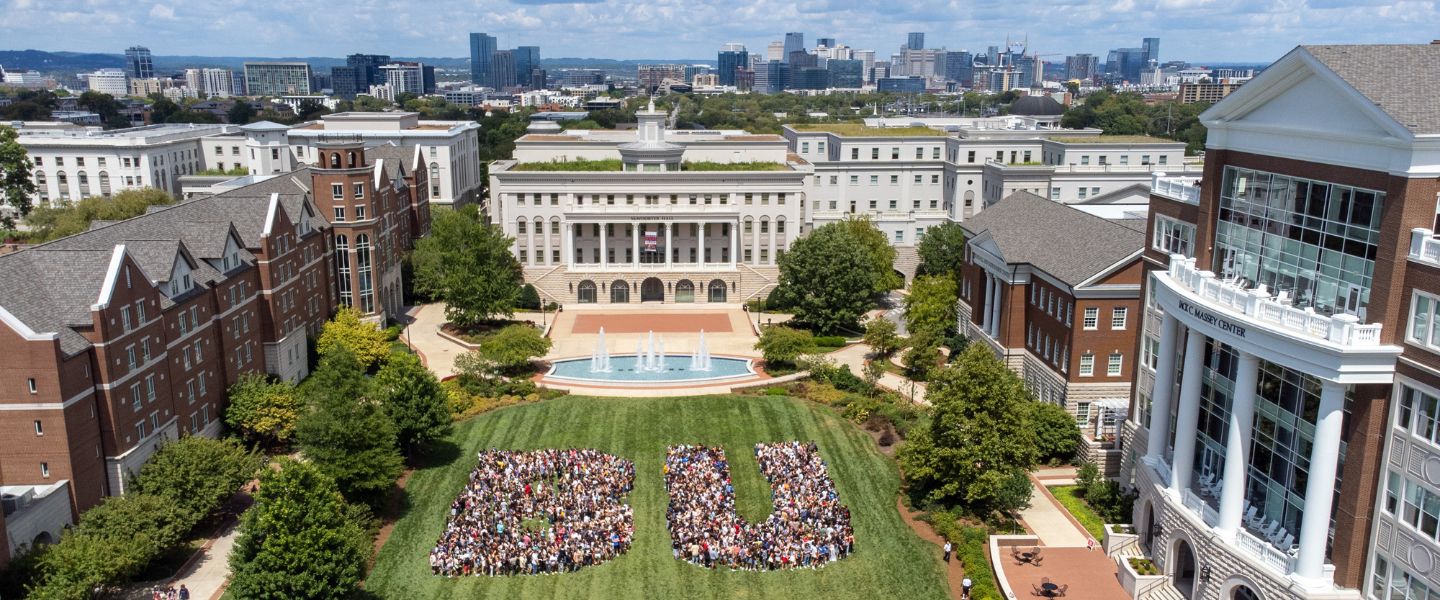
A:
[1313,240]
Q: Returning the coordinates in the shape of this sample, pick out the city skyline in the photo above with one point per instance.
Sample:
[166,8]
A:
[673,31]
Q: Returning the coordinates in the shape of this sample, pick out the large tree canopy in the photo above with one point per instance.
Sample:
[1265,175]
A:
[467,264]
[16,185]
[942,250]
[345,431]
[830,277]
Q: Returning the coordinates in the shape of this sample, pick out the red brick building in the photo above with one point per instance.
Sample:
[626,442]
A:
[128,335]
[1055,292]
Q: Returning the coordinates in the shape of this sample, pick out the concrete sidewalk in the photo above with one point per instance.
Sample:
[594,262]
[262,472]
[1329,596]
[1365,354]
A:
[853,356]
[1050,522]
[207,577]
[423,334]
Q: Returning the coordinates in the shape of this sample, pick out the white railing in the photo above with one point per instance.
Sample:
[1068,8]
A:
[1265,552]
[1257,304]
[1424,247]
[1198,505]
[1183,189]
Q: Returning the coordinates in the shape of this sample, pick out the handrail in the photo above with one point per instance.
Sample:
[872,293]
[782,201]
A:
[1142,593]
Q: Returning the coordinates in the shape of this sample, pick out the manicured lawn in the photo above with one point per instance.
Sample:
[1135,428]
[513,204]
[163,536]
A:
[889,560]
[1077,506]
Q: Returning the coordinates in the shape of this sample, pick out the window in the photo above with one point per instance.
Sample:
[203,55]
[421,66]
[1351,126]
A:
[45,470]
[359,212]
[1172,236]
[1393,489]
[919,179]
[1087,364]
[874,154]
[1423,330]
[899,235]
[970,156]
[31,382]
[1113,368]
[1092,318]
[854,154]
[337,191]
[339,214]
[1082,193]
[935,153]
[1055,194]
[894,179]
[874,180]
[804,147]
[39,428]
[359,191]
[1117,317]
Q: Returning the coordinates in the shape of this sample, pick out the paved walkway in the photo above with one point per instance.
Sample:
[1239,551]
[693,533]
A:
[1050,522]
[207,576]
[423,334]
[854,355]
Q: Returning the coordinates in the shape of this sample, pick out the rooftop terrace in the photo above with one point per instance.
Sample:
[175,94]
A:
[860,130]
[1113,139]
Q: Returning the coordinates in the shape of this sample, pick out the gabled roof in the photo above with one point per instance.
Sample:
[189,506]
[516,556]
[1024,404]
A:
[1066,243]
[1400,79]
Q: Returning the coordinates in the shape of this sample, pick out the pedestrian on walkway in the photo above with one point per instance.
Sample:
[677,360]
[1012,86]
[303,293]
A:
[965,589]
[947,551]
[184,593]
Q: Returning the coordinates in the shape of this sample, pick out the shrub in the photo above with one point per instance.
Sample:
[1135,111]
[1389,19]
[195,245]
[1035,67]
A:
[783,345]
[776,391]
[529,298]
[830,341]
[887,439]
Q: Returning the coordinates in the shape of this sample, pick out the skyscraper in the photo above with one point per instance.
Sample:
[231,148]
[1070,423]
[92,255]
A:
[826,42]
[775,51]
[916,41]
[960,68]
[482,50]
[527,59]
[1084,67]
[502,69]
[845,73]
[794,42]
[728,61]
[1151,46]
[277,78]
[138,64]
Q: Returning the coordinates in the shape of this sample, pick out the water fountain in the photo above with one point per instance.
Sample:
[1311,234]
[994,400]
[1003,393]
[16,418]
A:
[600,358]
[648,364]
[700,359]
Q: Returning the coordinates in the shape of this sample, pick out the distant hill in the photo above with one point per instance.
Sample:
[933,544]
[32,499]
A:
[40,60]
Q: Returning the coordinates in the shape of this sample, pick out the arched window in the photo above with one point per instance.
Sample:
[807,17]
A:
[717,290]
[104,184]
[362,267]
[334,160]
[780,224]
[619,292]
[684,291]
[352,159]
[342,270]
[586,292]
[520,225]
[434,171]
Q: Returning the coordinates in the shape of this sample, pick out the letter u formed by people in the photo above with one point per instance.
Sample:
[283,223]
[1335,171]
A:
[558,511]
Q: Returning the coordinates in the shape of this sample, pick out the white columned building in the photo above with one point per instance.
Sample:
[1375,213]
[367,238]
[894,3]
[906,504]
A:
[651,215]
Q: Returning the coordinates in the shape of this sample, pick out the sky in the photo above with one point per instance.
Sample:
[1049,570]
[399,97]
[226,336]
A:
[1194,30]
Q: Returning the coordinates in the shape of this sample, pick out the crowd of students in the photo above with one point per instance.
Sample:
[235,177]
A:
[537,512]
[808,528]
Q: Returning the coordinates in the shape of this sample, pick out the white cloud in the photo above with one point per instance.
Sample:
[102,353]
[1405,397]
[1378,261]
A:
[162,12]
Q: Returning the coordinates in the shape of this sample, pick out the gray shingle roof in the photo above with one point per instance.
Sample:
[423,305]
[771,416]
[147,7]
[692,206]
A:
[1400,79]
[52,286]
[1069,244]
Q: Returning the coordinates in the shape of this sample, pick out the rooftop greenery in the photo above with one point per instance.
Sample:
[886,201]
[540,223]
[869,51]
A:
[579,164]
[861,130]
[237,171]
[1113,139]
[706,165]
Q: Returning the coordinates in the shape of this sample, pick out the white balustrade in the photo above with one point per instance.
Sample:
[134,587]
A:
[1263,551]
[1424,247]
[1197,505]
[1341,329]
[1184,189]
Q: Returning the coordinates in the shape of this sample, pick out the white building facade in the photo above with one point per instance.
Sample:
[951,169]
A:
[74,163]
[662,219]
[451,148]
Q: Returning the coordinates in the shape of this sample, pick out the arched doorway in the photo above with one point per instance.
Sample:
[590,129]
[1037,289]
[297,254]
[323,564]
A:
[685,291]
[651,290]
[585,294]
[619,292]
[717,290]
[1182,572]
[1243,592]
[42,540]
[1148,527]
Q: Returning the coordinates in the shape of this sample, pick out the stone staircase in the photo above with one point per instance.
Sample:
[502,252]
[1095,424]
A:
[1163,591]
[758,283]
[537,276]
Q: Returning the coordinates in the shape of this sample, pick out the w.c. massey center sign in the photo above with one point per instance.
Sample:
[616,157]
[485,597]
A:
[1213,319]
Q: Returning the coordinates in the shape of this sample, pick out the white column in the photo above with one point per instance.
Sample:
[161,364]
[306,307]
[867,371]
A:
[604,245]
[1320,487]
[1160,396]
[1237,444]
[569,247]
[734,240]
[669,237]
[635,243]
[1188,419]
[700,255]
[995,313]
[989,301]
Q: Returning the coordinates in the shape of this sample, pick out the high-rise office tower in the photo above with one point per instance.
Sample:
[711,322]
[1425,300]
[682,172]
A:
[729,60]
[845,73]
[794,42]
[916,41]
[826,42]
[527,58]
[775,51]
[1084,67]
[1151,46]
[960,67]
[277,78]
[482,51]
[138,64]
[502,69]
[867,60]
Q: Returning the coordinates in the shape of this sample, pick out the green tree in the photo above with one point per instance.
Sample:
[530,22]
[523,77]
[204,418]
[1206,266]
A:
[942,250]
[931,307]
[240,113]
[263,411]
[828,279]
[106,106]
[113,542]
[467,265]
[1056,436]
[344,430]
[30,105]
[310,110]
[511,349]
[881,337]
[415,402]
[298,541]
[923,357]
[781,345]
[348,333]
[16,184]
[57,221]
[162,108]
[197,475]
[978,445]
[877,248]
